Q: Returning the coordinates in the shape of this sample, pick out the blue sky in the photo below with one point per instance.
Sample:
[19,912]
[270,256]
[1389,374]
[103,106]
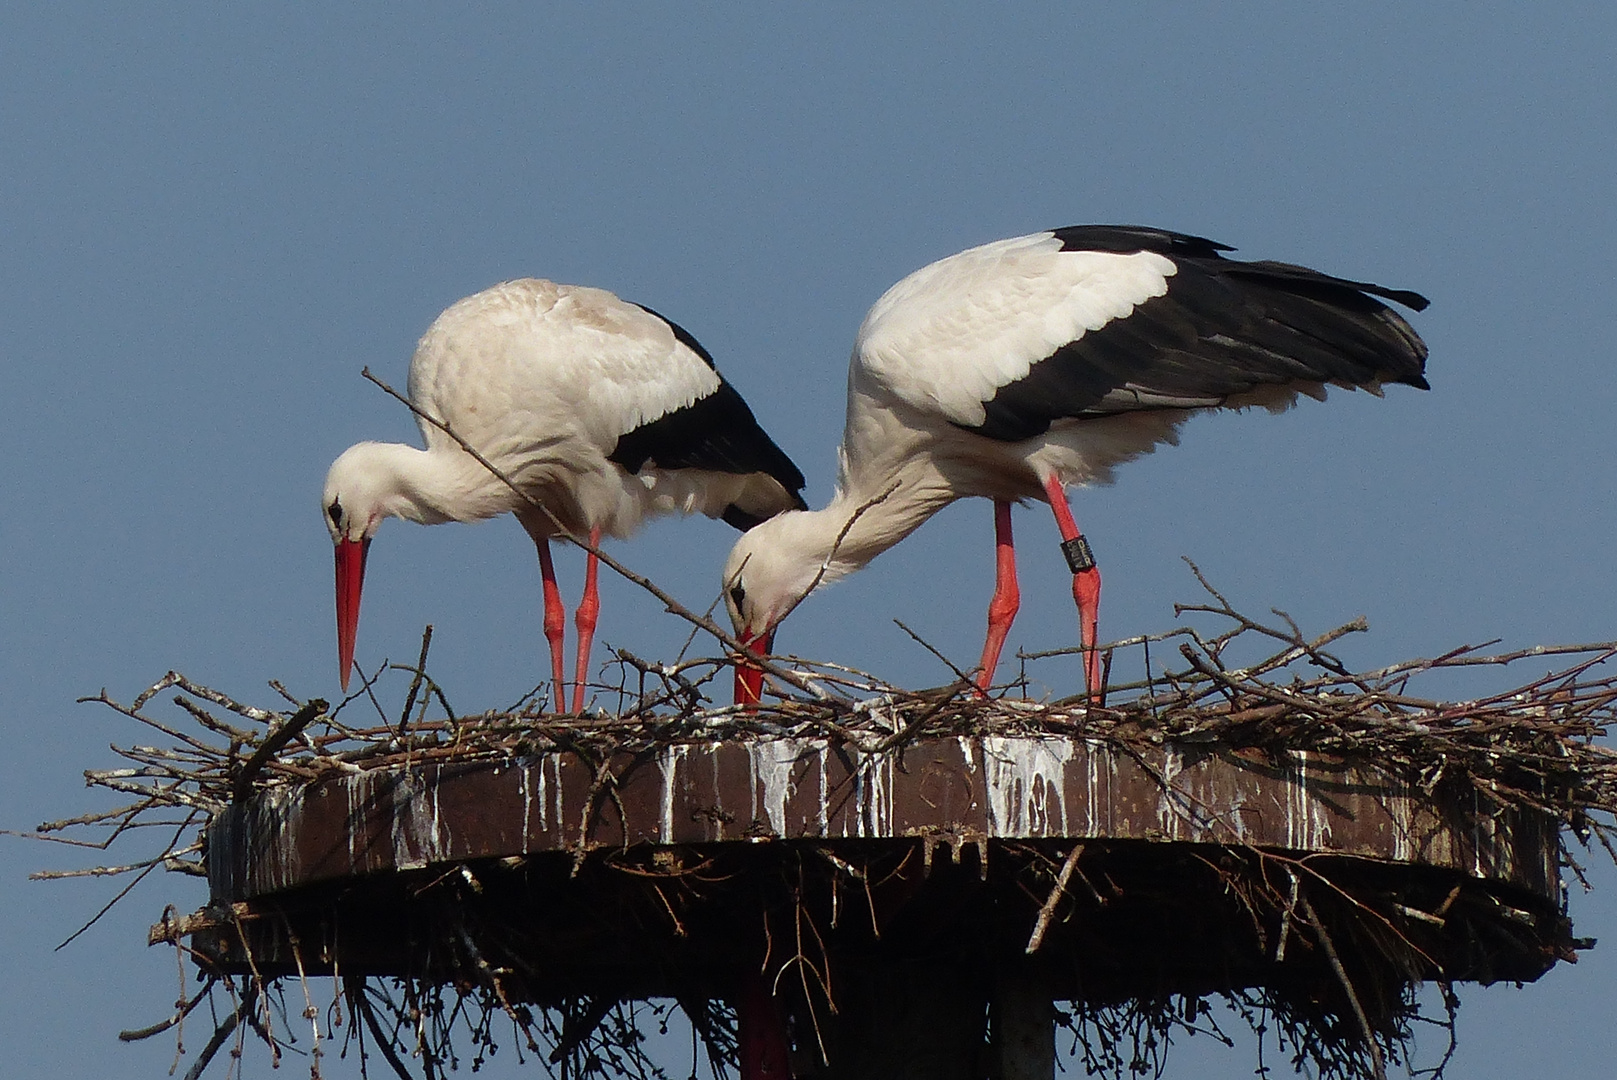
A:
[211,219]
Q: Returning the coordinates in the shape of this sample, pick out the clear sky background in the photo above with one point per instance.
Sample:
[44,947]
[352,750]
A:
[211,219]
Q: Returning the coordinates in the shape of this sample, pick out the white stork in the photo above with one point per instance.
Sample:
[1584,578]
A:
[601,412]
[1015,369]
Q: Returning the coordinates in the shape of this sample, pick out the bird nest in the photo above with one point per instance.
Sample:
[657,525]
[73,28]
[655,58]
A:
[1322,955]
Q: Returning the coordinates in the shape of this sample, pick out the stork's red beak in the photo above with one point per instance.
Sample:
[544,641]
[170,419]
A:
[749,679]
[350,580]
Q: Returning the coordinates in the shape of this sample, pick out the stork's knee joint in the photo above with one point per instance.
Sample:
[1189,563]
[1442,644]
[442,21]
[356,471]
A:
[1003,608]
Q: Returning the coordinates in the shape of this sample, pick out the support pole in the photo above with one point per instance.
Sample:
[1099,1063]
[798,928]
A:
[906,1020]
[1023,1018]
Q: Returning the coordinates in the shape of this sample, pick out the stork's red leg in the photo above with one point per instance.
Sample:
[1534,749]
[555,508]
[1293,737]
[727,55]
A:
[760,1035]
[589,607]
[1007,598]
[1085,582]
[555,618]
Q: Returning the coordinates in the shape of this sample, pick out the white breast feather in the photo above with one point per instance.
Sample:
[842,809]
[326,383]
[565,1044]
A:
[947,337]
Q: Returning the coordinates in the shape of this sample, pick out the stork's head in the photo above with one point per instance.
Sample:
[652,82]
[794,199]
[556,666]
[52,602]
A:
[362,488]
[769,570]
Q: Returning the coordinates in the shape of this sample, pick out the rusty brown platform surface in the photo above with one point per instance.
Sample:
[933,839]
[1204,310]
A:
[956,790]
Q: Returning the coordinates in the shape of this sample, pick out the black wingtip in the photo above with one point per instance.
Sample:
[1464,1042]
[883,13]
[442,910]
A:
[737,518]
[1414,301]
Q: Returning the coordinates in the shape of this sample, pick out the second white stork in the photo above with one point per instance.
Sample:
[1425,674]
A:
[600,412]
[1015,369]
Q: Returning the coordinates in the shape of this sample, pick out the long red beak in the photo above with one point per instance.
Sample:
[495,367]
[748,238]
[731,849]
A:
[750,680]
[350,580]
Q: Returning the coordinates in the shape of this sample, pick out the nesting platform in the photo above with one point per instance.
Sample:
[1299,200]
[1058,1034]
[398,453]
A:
[902,880]
[948,872]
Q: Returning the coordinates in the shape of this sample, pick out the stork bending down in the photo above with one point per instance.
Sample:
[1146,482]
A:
[601,413]
[1015,369]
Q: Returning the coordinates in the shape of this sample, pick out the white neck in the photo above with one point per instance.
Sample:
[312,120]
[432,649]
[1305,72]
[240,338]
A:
[859,524]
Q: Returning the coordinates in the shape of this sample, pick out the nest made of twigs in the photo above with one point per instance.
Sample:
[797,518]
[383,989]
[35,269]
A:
[1531,747]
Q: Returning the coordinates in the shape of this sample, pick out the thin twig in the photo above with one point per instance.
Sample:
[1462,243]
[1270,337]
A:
[415,681]
[230,1023]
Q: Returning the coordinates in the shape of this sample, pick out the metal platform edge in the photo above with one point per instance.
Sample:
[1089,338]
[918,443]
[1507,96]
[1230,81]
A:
[956,790]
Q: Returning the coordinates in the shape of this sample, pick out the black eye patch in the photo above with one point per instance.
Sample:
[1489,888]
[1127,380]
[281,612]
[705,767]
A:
[335,511]
[738,595]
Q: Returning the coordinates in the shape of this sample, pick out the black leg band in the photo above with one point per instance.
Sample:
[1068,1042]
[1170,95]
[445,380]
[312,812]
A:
[1079,557]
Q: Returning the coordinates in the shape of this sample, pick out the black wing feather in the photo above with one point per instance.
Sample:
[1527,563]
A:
[717,433]
[1224,327]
